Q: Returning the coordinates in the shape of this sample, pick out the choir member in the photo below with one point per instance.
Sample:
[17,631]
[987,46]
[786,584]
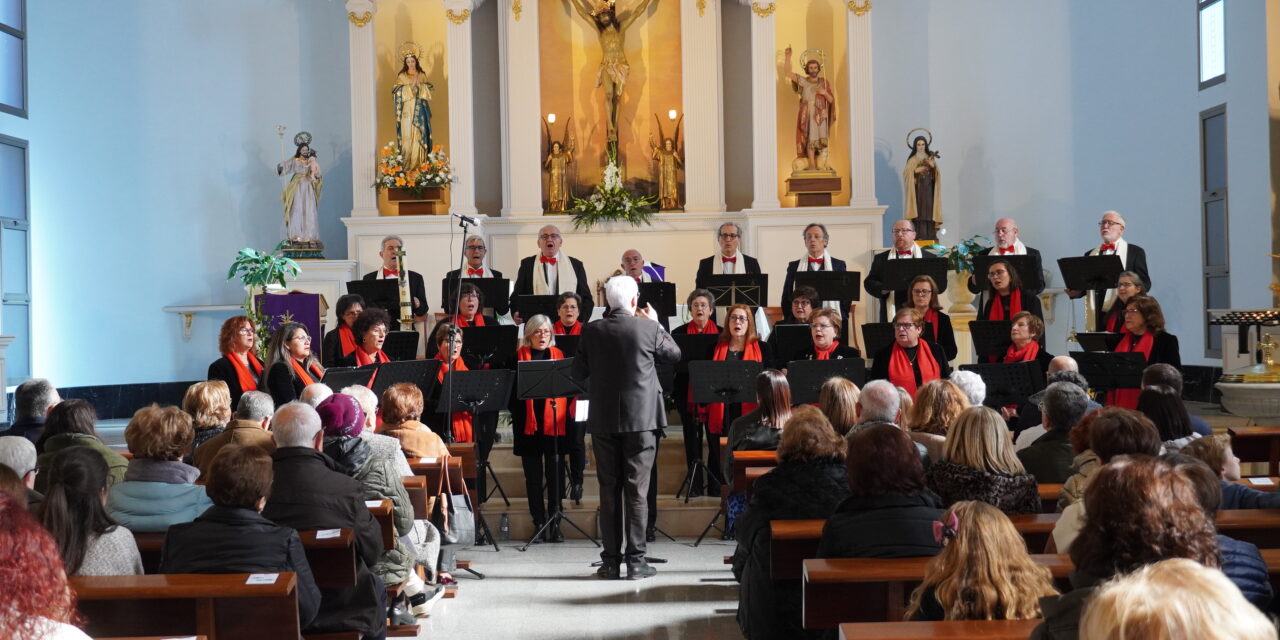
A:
[1133,258]
[1024,333]
[700,305]
[477,267]
[470,302]
[730,260]
[1007,297]
[567,308]
[633,265]
[1144,326]
[816,258]
[290,364]
[1128,287]
[550,272]
[388,271]
[340,342]
[1008,244]
[924,299]
[824,327]
[904,248]
[370,330]
[540,430]
[239,366]
[803,301]
[738,342]
[448,340]
[911,360]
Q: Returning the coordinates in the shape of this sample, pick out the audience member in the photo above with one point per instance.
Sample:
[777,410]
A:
[838,401]
[1165,409]
[209,404]
[384,447]
[983,571]
[32,402]
[1049,458]
[12,485]
[879,403]
[233,537]
[1083,465]
[71,424]
[250,426]
[809,482]
[761,429]
[1169,376]
[978,463]
[36,601]
[933,412]
[1215,451]
[158,488]
[1034,427]
[402,406]
[972,384]
[313,394]
[889,512]
[91,543]
[19,455]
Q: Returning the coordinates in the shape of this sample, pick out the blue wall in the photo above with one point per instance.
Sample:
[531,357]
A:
[153,154]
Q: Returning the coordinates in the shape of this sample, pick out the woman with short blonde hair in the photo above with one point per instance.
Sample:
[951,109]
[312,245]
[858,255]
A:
[209,405]
[838,401]
[159,490]
[932,413]
[978,463]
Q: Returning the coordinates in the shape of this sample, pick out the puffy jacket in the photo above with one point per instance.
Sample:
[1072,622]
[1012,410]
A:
[1084,464]
[379,481]
[1011,494]
[1238,496]
[154,506]
[1243,564]
[882,526]
[116,463]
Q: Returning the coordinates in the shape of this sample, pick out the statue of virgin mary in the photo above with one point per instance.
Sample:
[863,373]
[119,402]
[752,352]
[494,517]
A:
[411,96]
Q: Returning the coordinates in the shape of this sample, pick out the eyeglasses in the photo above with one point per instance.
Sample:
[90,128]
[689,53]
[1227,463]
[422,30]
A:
[728,235]
[922,292]
[302,338]
[822,325]
[1109,223]
[742,319]
[801,302]
[549,236]
[903,232]
[245,331]
[1129,311]
[476,247]
[1125,285]
[903,326]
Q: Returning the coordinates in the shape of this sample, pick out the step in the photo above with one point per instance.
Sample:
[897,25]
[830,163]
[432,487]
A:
[674,516]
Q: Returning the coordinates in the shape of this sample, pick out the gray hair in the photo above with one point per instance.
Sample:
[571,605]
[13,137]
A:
[1073,377]
[33,398]
[621,292]
[366,397]
[1064,405]
[470,237]
[255,405]
[736,229]
[879,402]
[19,454]
[825,235]
[295,425]
[972,384]
[315,393]
[383,245]
[532,325]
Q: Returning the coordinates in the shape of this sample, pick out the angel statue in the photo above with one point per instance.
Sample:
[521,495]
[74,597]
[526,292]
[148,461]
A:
[302,195]
[559,157]
[670,159]
[817,112]
[612,76]
[411,97]
[922,205]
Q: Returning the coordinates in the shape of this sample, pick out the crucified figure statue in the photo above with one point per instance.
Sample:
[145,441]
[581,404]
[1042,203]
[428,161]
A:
[612,76]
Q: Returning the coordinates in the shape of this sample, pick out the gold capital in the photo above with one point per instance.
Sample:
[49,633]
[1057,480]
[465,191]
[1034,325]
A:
[765,11]
[860,9]
[458,18]
[360,20]
[516,8]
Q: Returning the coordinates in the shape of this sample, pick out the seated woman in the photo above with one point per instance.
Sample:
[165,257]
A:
[233,537]
[291,366]
[935,409]
[808,483]
[158,489]
[91,543]
[824,328]
[889,512]
[340,342]
[1007,298]
[1215,451]
[838,401]
[36,601]
[1141,511]
[239,366]
[402,406]
[1083,465]
[911,360]
[1144,324]
[209,405]
[458,428]
[760,429]
[1163,406]
[924,299]
[978,463]
[568,307]
[700,305]
[540,430]
[370,331]
[1128,287]
[469,314]
[983,572]
[71,425]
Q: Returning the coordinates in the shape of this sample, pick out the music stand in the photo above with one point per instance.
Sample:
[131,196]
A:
[1088,273]
[339,378]
[496,292]
[539,380]
[1026,266]
[476,392]
[839,286]
[568,345]
[751,289]
[420,373]
[693,347]
[529,306]
[714,381]
[662,295]
[878,335]
[990,337]
[383,293]
[1099,340]
[898,274]
[1008,384]
[1106,371]
[490,347]
[787,340]
[401,345]
[806,377]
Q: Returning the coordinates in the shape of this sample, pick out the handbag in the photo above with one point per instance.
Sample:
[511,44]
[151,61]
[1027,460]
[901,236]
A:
[453,515]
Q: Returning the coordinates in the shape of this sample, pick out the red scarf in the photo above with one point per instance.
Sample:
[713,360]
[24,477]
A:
[997,309]
[825,354]
[692,328]
[561,405]
[346,339]
[931,316]
[559,329]
[715,412]
[902,374]
[1025,354]
[1128,398]
[461,420]
[1115,320]
[363,358]
[302,373]
[247,380]
[460,321]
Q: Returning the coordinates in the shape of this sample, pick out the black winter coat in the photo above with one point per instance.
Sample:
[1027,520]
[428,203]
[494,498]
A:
[883,526]
[1243,564]
[792,491]
[309,493]
[229,540]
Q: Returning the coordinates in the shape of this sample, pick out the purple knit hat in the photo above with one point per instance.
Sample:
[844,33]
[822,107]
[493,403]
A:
[341,416]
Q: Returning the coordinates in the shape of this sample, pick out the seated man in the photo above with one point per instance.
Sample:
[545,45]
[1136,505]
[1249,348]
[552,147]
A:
[20,455]
[32,400]
[250,425]
[1049,457]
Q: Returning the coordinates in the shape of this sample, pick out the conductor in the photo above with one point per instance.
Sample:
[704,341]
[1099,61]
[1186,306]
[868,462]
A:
[618,356]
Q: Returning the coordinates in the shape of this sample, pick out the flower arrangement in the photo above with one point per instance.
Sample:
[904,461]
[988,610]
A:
[434,172]
[612,201]
[257,270]
[960,257]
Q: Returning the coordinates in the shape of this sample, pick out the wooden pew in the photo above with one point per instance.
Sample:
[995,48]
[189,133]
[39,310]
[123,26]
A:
[743,460]
[158,638]
[791,543]
[220,607]
[1257,444]
[1252,483]
[416,487]
[1260,527]
[1035,528]
[1049,494]
[332,560]
[752,474]
[384,512]
[953,630]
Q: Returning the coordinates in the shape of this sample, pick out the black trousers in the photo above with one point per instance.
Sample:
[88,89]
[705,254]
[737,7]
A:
[540,471]
[577,432]
[486,431]
[624,464]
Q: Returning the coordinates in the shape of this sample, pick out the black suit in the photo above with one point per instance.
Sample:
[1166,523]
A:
[874,283]
[282,384]
[618,356]
[946,336]
[1137,263]
[789,283]
[222,369]
[524,284]
[500,306]
[711,266]
[417,289]
[974,287]
[331,348]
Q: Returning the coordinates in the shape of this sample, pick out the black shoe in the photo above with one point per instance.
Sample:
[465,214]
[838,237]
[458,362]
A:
[553,533]
[575,493]
[537,526]
[640,570]
[401,613]
[609,571]
[651,534]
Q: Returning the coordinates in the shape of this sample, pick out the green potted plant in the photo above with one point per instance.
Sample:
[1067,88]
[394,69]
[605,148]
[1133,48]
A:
[257,271]
[960,262]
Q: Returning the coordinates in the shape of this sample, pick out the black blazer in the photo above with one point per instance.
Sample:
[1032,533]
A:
[618,356]
[283,386]
[222,369]
[524,284]
[789,283]
[1136,263]
[707,267]
[880,369]
[433,348]
[500,306]
[417,289]
[1030,303]
[874,282]
[1164,349]
[946,336]
[974,287]
[331,349]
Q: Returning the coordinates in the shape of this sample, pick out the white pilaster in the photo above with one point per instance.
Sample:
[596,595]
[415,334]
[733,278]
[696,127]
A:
[462,197]
[364,146]
[764,104]
[861,119]
[520,108]
[703,106]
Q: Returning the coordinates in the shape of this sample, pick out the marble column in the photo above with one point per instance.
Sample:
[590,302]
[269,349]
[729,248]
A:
[520,108]
[862,143]
[364,200]
[462,197]
[764,104]
[703,106]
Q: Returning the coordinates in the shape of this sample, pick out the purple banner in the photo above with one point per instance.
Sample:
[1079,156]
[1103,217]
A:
[294,307]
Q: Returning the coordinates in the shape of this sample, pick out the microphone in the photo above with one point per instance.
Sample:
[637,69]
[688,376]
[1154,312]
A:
[466,219]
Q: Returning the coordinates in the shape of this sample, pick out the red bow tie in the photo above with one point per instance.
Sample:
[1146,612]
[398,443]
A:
[1004,250]
[1107,247]
[638,279]
[904,254]
[546,260]
[475,272]
[390,273]
[816,261]
[733,259]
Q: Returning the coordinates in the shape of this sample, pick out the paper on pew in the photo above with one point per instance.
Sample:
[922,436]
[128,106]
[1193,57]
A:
[1261,482]
[373,503]
[262,578]
[325,534]
[428,460]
